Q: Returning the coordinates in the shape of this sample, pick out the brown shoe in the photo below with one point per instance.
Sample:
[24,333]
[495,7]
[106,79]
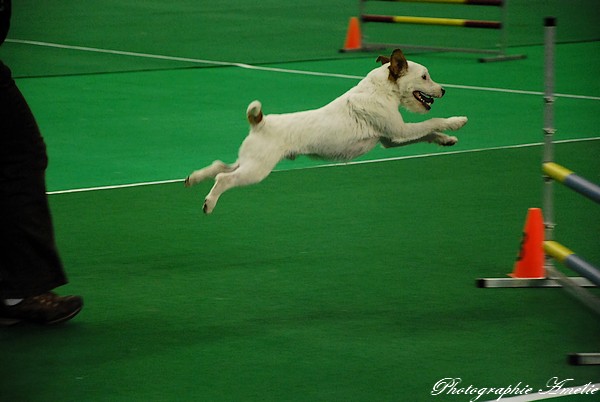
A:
[47,309]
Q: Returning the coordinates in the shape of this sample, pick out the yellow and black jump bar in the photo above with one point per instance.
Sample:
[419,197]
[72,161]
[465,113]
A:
[455,22]
[571,180]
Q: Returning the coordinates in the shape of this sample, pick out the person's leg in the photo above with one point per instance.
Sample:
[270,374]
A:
[29,260]
[30,265]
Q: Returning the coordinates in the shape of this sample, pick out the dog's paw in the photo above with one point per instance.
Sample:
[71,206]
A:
[454,123]
[195,178]
[445,140]
[208,206]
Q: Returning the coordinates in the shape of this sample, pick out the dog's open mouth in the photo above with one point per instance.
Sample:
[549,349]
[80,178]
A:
[425,99]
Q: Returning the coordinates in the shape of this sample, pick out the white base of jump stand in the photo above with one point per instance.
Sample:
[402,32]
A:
[584,359]
[529,282]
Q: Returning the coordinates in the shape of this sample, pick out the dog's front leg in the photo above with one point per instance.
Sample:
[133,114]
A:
[437,138]
[428,131]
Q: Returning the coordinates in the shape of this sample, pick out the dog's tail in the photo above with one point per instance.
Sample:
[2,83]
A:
[254,113]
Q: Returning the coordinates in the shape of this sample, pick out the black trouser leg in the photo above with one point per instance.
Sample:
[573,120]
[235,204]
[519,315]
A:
[29,260]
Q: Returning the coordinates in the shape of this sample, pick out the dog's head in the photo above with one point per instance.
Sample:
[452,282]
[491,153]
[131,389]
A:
[416,88]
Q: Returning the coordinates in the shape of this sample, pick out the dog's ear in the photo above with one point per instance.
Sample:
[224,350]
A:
[383,60]
[398,65]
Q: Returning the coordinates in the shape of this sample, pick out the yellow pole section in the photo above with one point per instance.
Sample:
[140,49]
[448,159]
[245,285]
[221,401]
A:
[556,171]
[557,250]
[429,20]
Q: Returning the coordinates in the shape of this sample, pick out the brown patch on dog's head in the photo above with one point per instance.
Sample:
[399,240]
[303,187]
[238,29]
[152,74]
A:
[383,60]
[398,64]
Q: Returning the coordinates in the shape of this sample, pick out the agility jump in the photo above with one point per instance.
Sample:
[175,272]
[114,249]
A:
[555,172]
[590,274]
[500,52]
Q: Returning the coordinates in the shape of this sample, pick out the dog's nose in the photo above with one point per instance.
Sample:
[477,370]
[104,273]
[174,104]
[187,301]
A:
[443,91]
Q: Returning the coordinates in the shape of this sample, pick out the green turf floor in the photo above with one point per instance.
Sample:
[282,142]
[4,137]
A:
[332,284]
[341,283]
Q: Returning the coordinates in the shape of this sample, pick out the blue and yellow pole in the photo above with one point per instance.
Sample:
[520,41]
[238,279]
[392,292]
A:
[568,258]
[572,180]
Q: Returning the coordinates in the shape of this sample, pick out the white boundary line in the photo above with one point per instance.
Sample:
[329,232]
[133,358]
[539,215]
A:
[182,59]
[113,187]
[464,151]
[397,158]
[520,92]
[272,69]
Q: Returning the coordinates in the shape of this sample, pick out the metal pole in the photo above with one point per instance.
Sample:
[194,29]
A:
[547,206]
[361,12]
[504,32]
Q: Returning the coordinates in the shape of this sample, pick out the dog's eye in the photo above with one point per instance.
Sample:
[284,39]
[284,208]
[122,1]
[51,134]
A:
[424,76]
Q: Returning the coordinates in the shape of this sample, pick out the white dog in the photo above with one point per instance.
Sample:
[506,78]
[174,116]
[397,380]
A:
[348,127]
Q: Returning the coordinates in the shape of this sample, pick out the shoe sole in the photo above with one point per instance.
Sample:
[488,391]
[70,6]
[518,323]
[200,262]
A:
[8,322]
[63,319]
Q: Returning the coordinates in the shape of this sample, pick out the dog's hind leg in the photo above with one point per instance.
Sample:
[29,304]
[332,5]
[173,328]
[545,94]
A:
[249,172]
[209,172]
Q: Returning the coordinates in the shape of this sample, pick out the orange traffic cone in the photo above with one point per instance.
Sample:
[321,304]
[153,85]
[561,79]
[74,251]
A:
[530,261]
[353,36]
